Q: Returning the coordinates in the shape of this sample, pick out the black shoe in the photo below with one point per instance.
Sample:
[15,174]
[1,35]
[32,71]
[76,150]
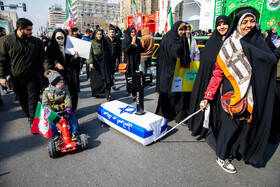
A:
[109,98]
[75,137]
[30,122]
[57,141]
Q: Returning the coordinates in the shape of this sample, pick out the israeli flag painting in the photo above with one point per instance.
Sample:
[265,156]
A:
[145,128]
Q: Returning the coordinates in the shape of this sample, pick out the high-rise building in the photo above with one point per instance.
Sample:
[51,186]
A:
[56,16]
[89,13]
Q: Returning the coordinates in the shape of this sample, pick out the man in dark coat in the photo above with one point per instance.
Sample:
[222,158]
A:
[22,56]
[114,48]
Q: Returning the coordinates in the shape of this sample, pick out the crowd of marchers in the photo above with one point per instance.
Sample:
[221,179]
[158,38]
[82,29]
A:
[236,85]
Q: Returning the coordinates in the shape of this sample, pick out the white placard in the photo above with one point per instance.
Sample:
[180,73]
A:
[75,44]
[177,84]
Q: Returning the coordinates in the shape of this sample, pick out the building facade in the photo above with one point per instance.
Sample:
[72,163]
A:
[8,20]
[89,13]
[56,17]
[199,13]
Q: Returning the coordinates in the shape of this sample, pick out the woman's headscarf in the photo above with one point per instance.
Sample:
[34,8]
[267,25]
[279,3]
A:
[172,36]
[128,34]
[127,37]
[102,33]
[235,64]
[208,56]
[263,68]
[54,50]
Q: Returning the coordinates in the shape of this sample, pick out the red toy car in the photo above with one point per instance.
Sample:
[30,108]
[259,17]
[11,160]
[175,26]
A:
[67,144]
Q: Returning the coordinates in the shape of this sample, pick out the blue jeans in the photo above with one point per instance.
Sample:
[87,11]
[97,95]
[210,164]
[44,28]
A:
[71,119]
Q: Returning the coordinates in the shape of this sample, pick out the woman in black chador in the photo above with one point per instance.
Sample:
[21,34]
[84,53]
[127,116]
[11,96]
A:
[132,49]
[208,57]
[99,62]
[67,65]
[246,67]
[175,45]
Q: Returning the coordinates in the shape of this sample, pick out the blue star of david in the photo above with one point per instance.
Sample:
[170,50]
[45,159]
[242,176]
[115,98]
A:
[127,109]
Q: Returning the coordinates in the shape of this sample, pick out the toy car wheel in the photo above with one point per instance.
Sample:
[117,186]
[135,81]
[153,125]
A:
[51,149]
[84,141]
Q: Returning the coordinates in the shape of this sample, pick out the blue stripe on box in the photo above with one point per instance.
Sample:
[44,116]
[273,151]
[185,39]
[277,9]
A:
[128,126]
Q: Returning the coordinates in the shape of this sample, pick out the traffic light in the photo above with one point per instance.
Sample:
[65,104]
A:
[24,7]
[2,5]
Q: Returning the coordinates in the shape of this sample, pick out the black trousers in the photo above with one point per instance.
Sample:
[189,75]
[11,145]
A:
[28,94]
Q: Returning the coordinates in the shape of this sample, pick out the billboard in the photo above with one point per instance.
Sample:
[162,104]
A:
[267,11]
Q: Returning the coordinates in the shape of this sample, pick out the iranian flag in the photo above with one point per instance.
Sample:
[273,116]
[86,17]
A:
[42,119]
[56,11]
[169,21]
[69,20]
[135,14]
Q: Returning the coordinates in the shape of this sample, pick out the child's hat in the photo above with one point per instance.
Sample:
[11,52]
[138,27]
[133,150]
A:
[53,77]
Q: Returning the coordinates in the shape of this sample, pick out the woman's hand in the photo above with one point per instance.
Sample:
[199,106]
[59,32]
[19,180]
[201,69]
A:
[76,55]
[203,104]
[59,66]
[134,40]
[91,66]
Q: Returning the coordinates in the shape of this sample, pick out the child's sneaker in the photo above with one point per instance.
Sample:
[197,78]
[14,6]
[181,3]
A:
[75,137]
[57,141]
[226,165]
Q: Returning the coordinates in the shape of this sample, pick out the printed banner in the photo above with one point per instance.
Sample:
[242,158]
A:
[184,76]
[163,14]
[218,10]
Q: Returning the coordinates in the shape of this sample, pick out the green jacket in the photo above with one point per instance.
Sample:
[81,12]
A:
[95,49]
[57,102]
[22,58]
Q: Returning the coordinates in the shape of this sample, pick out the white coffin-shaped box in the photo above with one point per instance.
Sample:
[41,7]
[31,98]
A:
[145,128]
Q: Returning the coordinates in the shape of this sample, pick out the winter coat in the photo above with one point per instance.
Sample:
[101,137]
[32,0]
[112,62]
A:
[147,42]
[57,102]
[114,47]
[22,58]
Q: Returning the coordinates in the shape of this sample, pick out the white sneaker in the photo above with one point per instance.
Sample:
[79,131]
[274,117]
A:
[226,165]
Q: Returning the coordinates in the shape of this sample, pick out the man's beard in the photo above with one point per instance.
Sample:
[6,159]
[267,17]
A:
[25,36]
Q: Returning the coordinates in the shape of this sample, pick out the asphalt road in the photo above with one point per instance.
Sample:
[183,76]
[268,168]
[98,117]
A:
[113,159]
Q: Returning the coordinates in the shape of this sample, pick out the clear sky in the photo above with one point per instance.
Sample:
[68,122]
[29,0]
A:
[37,10]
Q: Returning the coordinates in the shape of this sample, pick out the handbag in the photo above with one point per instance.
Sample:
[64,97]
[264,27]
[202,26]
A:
[123,67]
[236,109]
